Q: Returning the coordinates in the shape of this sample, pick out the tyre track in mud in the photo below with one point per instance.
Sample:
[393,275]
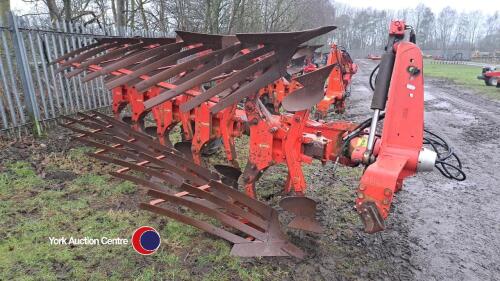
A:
[452,229]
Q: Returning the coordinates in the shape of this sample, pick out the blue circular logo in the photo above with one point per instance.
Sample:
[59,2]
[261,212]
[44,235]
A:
[146,240]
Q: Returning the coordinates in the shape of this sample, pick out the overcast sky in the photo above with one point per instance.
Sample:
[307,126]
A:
[487,6]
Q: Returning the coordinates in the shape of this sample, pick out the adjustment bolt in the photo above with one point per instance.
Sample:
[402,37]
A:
[387,192]
[413,70]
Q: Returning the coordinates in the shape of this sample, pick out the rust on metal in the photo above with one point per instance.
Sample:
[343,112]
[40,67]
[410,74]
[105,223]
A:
[201,57]
[183,183]
[371,218]
[303,53]
[304,210]
[230,174]
[312,91]
[197,76]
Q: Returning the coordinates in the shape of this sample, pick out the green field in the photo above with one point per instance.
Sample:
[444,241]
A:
[68,194]
[464,75]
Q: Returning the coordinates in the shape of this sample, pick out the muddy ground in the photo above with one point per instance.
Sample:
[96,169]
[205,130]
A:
[438,229]
[448,230]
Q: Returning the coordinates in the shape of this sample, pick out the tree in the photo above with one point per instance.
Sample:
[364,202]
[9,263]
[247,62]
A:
[119,8]
[53,10]
[491,39]
[358,28]
[4,10]
[475,20]
[445,25]
[425,29]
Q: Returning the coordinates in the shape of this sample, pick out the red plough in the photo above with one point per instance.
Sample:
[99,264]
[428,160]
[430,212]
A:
[221,87]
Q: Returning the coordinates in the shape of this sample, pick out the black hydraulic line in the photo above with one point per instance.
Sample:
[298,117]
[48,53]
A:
[445,157]
[383,81]
[372,85]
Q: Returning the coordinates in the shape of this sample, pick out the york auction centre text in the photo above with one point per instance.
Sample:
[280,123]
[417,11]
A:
[87,241]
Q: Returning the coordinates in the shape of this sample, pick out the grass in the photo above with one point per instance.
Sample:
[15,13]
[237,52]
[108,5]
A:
[54,194]
[464,75]
[89,203]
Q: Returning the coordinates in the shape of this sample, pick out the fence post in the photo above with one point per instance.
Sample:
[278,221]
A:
[26,78]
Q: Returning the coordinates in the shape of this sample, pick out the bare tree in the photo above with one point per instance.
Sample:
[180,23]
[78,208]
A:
[445,25]
[142,11]
[358,28]
[425,30]
[119,14]
[4,10]
[491,39]
[460,32]
[53,10]
[475,19]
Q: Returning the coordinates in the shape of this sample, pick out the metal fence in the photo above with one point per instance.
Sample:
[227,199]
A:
[32,91]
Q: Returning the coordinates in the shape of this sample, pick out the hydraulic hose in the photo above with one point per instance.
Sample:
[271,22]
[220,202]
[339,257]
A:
[383,80]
